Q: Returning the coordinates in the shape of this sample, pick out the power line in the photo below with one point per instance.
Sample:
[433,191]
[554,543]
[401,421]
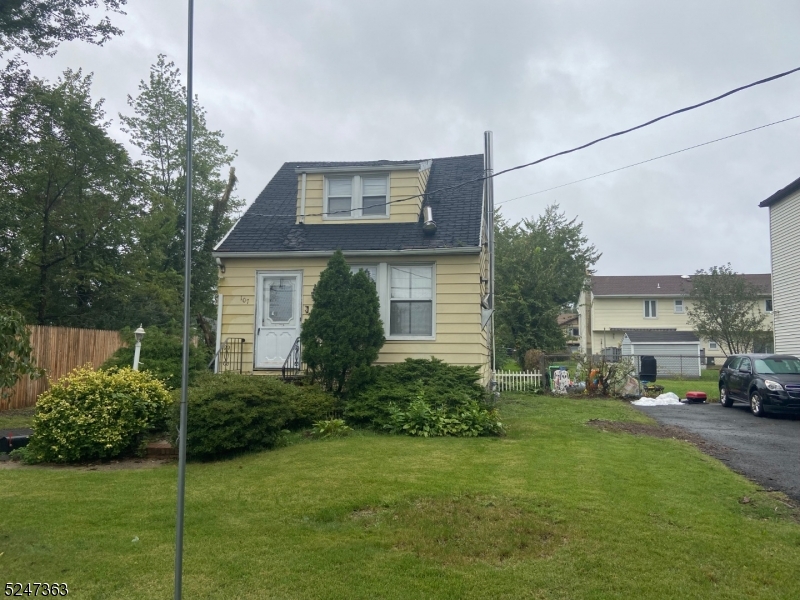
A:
[727,137]
[551,156]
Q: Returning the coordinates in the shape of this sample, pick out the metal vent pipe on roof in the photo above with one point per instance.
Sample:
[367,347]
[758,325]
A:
[429,226]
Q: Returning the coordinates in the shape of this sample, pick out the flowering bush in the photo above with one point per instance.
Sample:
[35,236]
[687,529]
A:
[92,414]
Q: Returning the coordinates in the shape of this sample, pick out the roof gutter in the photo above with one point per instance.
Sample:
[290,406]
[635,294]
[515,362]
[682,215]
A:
[327,253]
[415,166]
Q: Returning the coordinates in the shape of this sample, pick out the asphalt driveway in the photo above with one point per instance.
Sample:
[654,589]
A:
[766,450]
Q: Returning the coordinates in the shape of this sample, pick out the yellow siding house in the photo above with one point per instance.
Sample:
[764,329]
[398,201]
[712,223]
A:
[416,227]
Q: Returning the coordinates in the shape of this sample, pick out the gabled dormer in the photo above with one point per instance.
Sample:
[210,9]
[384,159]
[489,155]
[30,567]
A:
[383,193]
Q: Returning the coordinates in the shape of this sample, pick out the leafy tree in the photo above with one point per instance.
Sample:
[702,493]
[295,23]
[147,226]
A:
[39,26]
[16,353]
[68,195]
[724,309]
[540,268]
[344,330]
[157,128]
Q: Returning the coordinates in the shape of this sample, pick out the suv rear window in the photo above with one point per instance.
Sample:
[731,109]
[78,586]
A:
[778,366]
[734,362]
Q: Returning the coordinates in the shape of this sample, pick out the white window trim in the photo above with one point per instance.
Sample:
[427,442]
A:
[383,284]
[388,296]
[682,307]
[769,310]
[712,345]
[356,198]
[644,310]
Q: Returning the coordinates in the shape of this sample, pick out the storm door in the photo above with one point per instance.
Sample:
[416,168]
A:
[277,318]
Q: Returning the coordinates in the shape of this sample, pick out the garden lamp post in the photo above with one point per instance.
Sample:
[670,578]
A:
[139,334]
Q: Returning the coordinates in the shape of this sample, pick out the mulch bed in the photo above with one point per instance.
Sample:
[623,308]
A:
[662,431]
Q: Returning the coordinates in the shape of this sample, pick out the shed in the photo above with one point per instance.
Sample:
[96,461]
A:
[676,352]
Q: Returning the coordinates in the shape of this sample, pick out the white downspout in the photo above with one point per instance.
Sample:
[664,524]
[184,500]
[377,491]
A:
[219,332]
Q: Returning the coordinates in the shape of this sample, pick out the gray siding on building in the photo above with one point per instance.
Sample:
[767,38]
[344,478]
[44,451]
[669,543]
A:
[784,227]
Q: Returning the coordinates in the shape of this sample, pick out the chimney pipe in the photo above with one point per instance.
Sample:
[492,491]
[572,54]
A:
[429,226]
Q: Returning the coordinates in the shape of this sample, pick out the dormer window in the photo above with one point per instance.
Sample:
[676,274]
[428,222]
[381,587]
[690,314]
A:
[356,197]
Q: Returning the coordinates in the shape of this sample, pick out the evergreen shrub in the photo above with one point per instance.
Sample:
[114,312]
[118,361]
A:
[343,331]
[310,404]
[459,416]
[231,413]
[89,415]
[162,355]
[372,390]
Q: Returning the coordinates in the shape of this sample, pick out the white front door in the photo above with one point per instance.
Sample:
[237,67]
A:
[277,317]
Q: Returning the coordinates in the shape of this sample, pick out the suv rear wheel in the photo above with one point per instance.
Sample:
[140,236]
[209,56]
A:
[724,398]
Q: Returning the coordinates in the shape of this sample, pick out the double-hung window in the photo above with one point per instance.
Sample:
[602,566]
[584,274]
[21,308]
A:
[678,307]
[768,305]
[650,309]
[411,300]
[356,196]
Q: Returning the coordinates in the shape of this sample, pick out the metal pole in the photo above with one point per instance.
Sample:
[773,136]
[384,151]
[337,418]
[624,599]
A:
[187,293]
[136,352]
[489,183]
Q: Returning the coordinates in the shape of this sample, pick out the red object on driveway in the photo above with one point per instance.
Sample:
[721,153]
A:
[696,396]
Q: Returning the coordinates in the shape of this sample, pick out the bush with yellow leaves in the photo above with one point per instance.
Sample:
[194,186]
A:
[90,415]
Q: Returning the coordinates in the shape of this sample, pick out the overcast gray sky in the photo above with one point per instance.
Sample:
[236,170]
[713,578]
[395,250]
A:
[367,80]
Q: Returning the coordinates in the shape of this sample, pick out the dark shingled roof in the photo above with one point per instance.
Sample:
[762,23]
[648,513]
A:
[660,285]
[269,224]
[782,193]
[642,336]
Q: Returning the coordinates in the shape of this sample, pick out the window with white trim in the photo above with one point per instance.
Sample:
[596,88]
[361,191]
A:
[712,345]
[650,311]
[411,301]
[356,196]
[678,307]
[768,304]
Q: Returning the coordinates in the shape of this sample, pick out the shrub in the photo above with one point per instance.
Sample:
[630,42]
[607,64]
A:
[372,390]
[16,352]
[92,415]
[310,404]
[162,355]
[331,428]
[534,360]
[231,413]
[344,330]
[460,417]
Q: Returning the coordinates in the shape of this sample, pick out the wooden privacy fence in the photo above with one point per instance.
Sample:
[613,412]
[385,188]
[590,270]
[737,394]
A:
[517,381]
[58,350]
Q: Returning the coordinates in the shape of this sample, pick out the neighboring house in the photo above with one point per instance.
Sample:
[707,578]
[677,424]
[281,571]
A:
[616,305]
[784,236]
[568,322]
[430,270]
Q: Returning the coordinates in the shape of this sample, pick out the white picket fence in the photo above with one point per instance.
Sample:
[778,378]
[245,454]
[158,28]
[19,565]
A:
[517,381]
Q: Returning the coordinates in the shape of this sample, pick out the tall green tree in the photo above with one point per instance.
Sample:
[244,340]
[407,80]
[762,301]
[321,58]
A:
[16,352]
[68,195]
[540,269]
[344,329]
[157,128]
[725,309]
[39,26]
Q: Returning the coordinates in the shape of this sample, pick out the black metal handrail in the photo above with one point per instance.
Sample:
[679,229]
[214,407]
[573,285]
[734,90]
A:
[293,365]
[230,356]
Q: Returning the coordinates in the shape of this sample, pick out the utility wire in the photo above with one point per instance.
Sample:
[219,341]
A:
[727,137]
[543,159]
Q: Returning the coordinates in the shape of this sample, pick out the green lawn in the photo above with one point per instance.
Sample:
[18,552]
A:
[556,509]
[20,417]
[708,383]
